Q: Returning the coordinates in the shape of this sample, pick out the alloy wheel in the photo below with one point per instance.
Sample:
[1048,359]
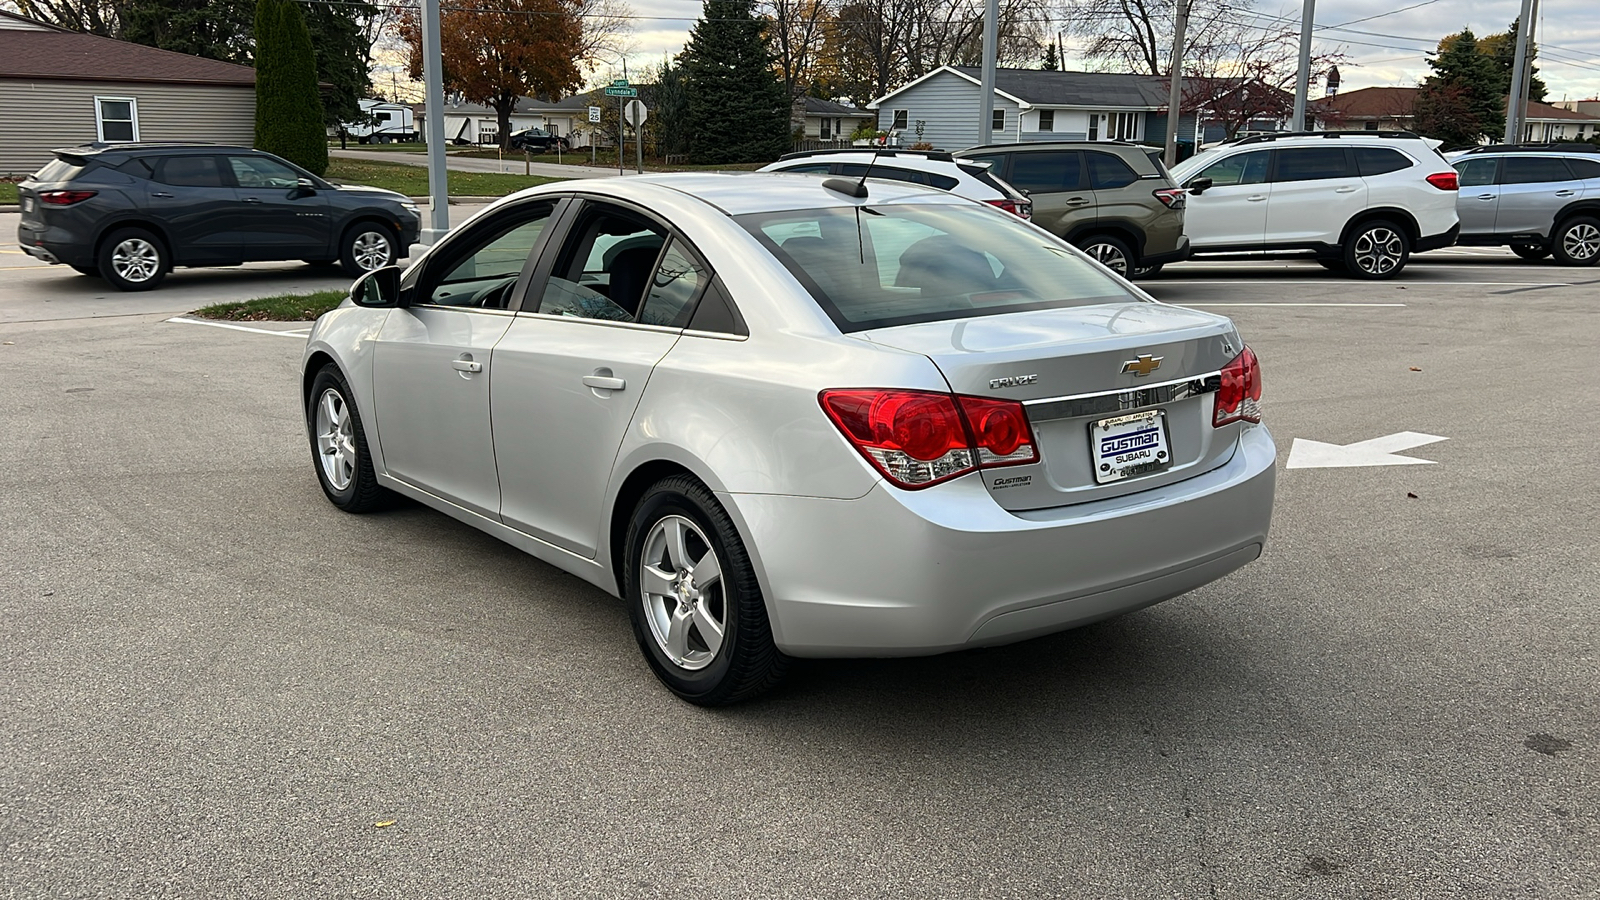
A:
[683,597]
[1379,251]
[136,260]
[1110,256]
[371,250]
[1581,242]
[336,442]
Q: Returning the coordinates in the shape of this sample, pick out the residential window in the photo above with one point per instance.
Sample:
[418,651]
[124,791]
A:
[116,118]
[826,131]
[1123,127]
[998,123]
[1047,120]
[899,120]
[1372,125]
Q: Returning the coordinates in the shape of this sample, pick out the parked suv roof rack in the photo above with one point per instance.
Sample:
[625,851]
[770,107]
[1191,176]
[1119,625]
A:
[1280,135]
[1563,147]
[935,155]
[1014,145]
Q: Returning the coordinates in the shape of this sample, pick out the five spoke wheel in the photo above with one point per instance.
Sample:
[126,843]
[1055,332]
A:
[336,444]
[681,582]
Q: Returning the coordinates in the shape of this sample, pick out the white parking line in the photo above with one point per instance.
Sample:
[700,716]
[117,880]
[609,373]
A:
[183,320]
[1292,304]
[1157,283]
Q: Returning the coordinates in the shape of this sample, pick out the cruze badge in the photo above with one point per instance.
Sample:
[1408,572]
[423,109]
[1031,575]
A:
[1142,366]
[996,384]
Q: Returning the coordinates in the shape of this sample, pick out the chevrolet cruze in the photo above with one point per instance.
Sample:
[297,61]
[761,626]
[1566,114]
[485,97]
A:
[782,416]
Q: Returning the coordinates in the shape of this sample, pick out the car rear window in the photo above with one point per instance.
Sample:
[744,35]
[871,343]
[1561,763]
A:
[1106,172]
[913,176]
[1584,168]
[1534,170]
[1381,160]
[874,267]
[59,169]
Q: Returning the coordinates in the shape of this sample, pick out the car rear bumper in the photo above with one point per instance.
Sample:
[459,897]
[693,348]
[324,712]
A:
[902,573]
[40,243]
[1183,252]
[1437,241]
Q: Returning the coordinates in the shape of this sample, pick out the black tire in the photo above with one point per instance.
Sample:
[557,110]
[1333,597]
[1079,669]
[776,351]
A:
[366,246]
[1147,271]
[746,662]
[320,262]
[133,259]
[362,493]
[1332,265]
[1108,251]
[1577,241]
[1376,250]
[90,271]
[1531,252]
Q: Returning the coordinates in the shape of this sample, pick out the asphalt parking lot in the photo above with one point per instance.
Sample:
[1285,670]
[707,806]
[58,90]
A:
[217,685]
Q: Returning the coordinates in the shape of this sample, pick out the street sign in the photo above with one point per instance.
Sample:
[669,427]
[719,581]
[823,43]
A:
[594,113]
[614,91]
[635,113]
[619,82]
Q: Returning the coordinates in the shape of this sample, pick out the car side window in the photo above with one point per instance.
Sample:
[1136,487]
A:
[1584,168]
[1312,164]
[1534,170]
[486,276]
[1047,171]
[138,167]
[912,176]
[1381,160]
[1241,168]
[1476,172]
[1106,172]
[810,169]
[607,262]
[190,171]
[678,279]
[261,172]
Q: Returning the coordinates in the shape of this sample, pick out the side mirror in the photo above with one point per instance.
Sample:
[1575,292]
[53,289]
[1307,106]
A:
[1199,186]
[305,186]
[377,289]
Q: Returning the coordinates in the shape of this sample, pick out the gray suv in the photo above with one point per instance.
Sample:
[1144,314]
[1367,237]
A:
[1539,199]
[1112,199]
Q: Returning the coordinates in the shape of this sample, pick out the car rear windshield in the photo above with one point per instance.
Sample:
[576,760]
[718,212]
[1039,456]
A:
[60,169]
[874,267]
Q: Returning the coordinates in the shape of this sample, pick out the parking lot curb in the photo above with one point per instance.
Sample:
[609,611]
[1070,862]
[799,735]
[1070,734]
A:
[10,207]
[456,200]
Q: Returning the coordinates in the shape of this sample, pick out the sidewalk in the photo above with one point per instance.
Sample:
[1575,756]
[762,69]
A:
[511,165]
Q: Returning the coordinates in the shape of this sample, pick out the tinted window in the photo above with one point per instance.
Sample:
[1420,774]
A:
[58,170]
[1534,170]
[138,168]
[810,169]
[1243,168]
[1476,172]
[1584,168]
[1311,164]
[856,170]
[893,265]
[1106,172]
[1046,171]
[678,278]
[261,172]
[484,279]
[190,171]
[608,260]
[1380,160]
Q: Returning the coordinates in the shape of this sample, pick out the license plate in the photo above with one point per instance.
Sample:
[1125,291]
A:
[1135,444]
[27,204]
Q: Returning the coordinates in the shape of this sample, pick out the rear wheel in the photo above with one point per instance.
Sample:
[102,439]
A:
[133,259]
[692,595]
[1530,252]
[1376,250]
[1108,251]
[1577,241]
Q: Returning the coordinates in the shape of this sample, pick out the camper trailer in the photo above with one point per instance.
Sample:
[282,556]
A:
[385,123]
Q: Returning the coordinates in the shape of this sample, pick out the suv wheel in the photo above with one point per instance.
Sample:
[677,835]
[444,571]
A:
[1577,241]
[1108,251]
[1530,252]
[1376,250]
[133,259]
[368,246]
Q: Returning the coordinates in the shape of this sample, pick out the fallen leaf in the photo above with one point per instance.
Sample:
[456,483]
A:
[383,824]
[1411,495]
[1415,369]
[9,343]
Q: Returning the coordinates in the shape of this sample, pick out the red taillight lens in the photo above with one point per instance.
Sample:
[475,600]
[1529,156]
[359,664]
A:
[1020,208]
[1445,181]
[1172,197]
[1239,398]
[920,438]
[65,198]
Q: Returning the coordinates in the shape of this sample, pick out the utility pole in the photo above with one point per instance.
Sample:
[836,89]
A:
[991,52]
[1175,92]
[1516,104]
[433,78]
[1302,79]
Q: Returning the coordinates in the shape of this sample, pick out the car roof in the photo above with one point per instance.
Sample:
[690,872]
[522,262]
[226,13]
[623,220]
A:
[987,149]
[737,194]
[145,148]
[917,163]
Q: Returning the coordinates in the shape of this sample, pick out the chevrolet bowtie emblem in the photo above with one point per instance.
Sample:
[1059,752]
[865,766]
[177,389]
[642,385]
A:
[1142,366]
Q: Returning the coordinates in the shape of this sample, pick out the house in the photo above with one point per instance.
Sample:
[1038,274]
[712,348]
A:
[475,123]
[826,120]
[60,88]
[1546,122]
[941,108]
[1393,109]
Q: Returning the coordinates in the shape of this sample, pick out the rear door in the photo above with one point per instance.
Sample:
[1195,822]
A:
[1532,190]
[1478,197]
[284,221]
[1232,213]
[1315,191]
[194,200]
[1058,186]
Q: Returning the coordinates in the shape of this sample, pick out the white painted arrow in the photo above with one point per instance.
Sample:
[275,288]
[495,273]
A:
[1304,454]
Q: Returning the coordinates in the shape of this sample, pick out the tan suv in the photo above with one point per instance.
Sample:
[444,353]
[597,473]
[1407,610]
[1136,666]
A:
[1112,199]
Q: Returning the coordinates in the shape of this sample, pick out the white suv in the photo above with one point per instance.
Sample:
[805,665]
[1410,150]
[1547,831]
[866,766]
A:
[1360,201]
[934,168]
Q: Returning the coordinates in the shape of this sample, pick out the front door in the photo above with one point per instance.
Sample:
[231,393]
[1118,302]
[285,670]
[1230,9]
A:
[433,363]
[1479,196]
[284,220]
[614,304]
[197,208]
[1232,213]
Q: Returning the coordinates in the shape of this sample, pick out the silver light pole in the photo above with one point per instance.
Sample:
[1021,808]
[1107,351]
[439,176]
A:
[1175,91]
[991,52]
[433,78]
[1302,78]
[1516,106]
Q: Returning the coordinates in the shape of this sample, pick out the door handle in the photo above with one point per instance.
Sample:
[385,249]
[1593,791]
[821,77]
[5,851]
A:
[1077,201]
[1486,196]
[466,365]
[252,199]
[1256,198]
[162,194]
[1565,193]
[604,382]
[1344,190]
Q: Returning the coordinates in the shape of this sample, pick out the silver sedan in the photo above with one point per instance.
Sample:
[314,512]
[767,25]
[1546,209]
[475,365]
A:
[782,419]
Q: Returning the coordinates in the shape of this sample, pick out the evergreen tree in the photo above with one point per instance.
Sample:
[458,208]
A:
[344,54]
[669,118]
[1050,62]
[215,29]
[289,117]
[1502,48]
[737,109]
[1464,99]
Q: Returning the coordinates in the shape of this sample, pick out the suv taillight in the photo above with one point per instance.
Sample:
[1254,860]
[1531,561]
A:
[1020,208]
[65,198]
[1239,397]
[921,438]
[1445,181]
[1172,197]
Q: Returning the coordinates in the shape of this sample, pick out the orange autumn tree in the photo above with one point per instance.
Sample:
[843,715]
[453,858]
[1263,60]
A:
[499,51]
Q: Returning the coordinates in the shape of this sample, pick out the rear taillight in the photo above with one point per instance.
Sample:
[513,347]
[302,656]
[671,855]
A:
[1020,208]
[1172,197]
[65,198]
[1445,181]
[920,438]
[1239,397]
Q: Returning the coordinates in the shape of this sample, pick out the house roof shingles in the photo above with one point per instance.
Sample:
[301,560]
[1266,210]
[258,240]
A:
[1099,89]
[818,107]
[69,56]
[1397,103]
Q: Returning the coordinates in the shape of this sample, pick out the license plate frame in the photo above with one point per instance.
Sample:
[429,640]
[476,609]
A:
[27,204]
[1130,445]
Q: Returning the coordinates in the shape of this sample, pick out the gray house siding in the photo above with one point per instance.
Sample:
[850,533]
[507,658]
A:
[39,116]
[947,104]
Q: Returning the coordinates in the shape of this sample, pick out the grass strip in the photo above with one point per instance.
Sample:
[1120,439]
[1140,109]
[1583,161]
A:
[413,180]
[281,308]
[8,192]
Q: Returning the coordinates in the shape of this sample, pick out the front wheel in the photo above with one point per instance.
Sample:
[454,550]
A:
[133,259]
[368,246]
[1376,250]
[1530,252]
[1577,241]
[692,595]
[1109,252]
[339,445]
